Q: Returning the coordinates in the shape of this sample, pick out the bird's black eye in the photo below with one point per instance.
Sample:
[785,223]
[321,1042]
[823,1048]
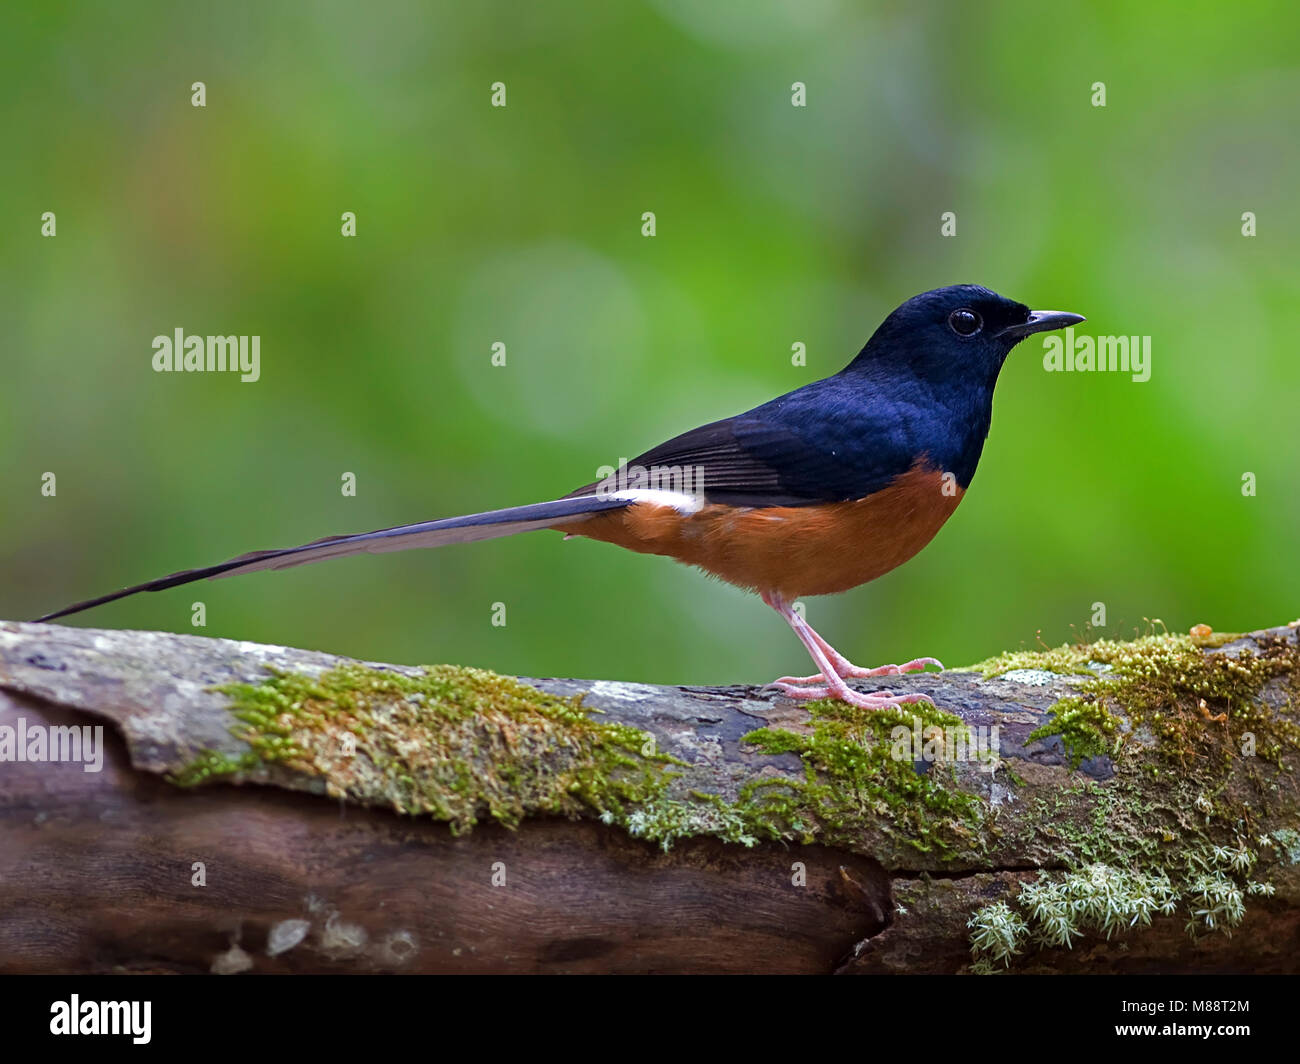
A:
[965,322]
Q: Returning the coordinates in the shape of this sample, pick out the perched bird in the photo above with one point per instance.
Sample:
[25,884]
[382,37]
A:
[818,491]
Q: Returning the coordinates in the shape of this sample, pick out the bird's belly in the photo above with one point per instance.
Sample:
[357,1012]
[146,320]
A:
[794,550]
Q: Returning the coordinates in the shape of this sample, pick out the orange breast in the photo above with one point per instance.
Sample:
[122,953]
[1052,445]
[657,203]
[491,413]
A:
[793,550]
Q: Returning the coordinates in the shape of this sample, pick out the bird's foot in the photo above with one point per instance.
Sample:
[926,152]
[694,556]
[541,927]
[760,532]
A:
[846,670]
[841,691]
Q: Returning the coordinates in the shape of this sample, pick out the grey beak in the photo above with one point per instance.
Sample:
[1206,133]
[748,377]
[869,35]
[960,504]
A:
[1042,321]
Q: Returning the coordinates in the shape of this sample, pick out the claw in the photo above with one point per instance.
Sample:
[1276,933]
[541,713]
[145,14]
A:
[816,677]
[915,665]
[848,671]
[842,693]
[835,668]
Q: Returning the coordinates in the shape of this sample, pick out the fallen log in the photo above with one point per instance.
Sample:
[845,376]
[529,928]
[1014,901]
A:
[171,803]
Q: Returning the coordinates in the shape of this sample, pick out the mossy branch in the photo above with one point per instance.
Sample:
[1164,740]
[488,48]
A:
[1114,806]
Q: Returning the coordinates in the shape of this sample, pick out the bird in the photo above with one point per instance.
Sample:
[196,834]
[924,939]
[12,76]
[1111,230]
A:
[818,491]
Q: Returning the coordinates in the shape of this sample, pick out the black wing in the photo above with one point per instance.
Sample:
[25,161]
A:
[749,461]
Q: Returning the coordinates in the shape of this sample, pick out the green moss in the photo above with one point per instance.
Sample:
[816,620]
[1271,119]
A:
[1175,722]
[211,765]
[454,743]
[463,746]
[1086,728]
[666,819]
[1198,755]
[1081,659]
[1196,705]
[1065,660]
[860,778]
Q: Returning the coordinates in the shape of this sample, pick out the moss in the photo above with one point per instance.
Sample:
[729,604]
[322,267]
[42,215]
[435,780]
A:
[997,933]
[211,765]
[1209,885]
[1086,728]
[1198,754]
[861,776]
[1065,660]
[1289,841]
[666,819]
[1098,898]
[463,745]
[1196,705]
[1082,658]
[454,743]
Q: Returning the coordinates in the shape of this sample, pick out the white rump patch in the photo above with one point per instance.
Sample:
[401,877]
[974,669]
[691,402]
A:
[682,503]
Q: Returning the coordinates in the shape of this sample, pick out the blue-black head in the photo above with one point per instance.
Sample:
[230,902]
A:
[962,334]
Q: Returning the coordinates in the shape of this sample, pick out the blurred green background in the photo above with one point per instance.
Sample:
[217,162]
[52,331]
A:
[522,225]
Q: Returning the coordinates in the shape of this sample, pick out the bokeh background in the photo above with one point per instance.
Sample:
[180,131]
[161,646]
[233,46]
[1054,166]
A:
[522,225]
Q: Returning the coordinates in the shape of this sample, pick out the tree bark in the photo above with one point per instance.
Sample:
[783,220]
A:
[125,869]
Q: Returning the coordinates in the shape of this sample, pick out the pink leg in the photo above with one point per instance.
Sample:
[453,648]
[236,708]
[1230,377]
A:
[835,668]
[849,671]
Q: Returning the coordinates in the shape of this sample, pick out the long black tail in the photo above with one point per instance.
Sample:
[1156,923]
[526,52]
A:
[467,529]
